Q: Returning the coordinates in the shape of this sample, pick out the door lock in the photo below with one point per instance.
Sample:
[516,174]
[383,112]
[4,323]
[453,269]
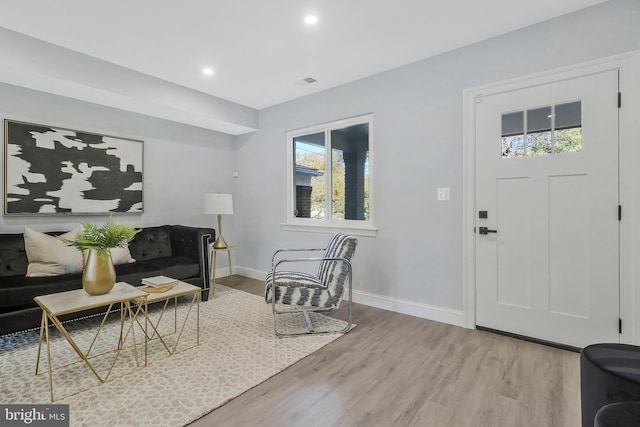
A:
[485,230]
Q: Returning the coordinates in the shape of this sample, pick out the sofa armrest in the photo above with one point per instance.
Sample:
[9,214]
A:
[193,242]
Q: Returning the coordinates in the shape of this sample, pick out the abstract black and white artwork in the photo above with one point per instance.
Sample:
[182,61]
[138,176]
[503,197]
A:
[51,170]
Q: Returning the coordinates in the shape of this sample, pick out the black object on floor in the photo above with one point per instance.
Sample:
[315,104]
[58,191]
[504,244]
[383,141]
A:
[621,414]
[609,373]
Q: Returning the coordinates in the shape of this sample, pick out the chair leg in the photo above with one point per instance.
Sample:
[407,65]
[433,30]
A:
[309,324]
[307,320]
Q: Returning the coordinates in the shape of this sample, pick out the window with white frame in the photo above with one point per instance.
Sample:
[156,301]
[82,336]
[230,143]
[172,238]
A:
[329,175]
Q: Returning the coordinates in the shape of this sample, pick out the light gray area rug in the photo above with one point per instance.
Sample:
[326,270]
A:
[237,351]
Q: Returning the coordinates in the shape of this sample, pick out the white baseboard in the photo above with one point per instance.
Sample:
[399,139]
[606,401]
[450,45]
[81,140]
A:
[425,311]
[249,272]
[242,271]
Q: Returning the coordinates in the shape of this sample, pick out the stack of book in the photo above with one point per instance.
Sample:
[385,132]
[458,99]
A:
[158,283]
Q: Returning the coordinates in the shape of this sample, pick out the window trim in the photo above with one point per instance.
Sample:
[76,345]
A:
[355,227]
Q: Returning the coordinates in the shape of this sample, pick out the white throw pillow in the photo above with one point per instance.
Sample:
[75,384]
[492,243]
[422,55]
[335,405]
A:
[49,255]
[121,255]
[118,256]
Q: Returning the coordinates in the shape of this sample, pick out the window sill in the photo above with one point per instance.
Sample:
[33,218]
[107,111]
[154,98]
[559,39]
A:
[317,228]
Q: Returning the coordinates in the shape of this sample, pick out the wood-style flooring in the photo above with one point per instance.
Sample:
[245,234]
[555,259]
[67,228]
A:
[399,370]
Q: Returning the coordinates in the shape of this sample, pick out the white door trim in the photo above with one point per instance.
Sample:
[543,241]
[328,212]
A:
[629,175]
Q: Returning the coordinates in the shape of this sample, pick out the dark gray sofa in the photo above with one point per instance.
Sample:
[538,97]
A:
[175,251]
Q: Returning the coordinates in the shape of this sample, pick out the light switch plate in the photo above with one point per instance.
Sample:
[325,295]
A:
[443,193]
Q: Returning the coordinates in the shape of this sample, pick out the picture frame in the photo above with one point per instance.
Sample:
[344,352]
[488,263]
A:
[51,170]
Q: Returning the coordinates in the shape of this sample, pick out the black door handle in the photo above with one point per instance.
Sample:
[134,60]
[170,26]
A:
[485,230]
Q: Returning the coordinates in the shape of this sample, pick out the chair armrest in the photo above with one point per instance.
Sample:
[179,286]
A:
[316,259]
[273,258]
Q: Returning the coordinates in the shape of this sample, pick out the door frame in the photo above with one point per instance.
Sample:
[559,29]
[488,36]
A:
[628,65]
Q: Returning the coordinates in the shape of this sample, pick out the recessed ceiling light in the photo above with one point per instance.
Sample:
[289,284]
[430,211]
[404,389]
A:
[207,71]
[311,19]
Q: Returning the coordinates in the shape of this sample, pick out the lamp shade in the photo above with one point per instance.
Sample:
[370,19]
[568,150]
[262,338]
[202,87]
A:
[218,203]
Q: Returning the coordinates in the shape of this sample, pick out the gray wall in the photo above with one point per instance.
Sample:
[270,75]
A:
[415,262]
[181,162]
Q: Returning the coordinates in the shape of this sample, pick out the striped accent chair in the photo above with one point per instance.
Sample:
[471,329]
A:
[303,292]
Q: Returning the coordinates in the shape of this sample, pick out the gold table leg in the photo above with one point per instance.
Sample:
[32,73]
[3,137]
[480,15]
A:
[44,325]
[149,335]
[44,328]
[195,296]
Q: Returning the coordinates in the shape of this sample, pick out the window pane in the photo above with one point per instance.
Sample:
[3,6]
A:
[539,143]
[539,131]
[569,127]
[310,189]
[569,140]
[539,120]
[513,134]
[513,124]
[513,146]
[568,115]
[350,172]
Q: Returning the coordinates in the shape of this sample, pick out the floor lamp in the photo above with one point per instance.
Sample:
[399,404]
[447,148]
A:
[218,204]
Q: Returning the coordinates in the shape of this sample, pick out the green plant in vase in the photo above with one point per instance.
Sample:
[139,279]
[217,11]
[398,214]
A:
[99,275]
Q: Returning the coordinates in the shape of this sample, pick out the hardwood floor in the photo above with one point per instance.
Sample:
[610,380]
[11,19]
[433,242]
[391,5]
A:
[399,370]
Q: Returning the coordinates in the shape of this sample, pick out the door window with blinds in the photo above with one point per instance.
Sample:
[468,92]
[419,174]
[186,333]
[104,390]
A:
[542,131]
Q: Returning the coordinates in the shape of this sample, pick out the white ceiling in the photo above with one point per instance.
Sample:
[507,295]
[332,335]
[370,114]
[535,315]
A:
[261,50]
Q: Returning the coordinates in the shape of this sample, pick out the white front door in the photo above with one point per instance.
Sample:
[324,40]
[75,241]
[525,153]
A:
[547,199]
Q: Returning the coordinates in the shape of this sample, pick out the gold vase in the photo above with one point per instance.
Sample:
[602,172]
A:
[98,276]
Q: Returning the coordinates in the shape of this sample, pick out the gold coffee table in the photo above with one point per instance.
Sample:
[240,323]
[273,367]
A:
[180,289]
[55,305]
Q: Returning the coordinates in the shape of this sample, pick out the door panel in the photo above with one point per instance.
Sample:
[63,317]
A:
[513,284]
[547,173]
[568,254]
